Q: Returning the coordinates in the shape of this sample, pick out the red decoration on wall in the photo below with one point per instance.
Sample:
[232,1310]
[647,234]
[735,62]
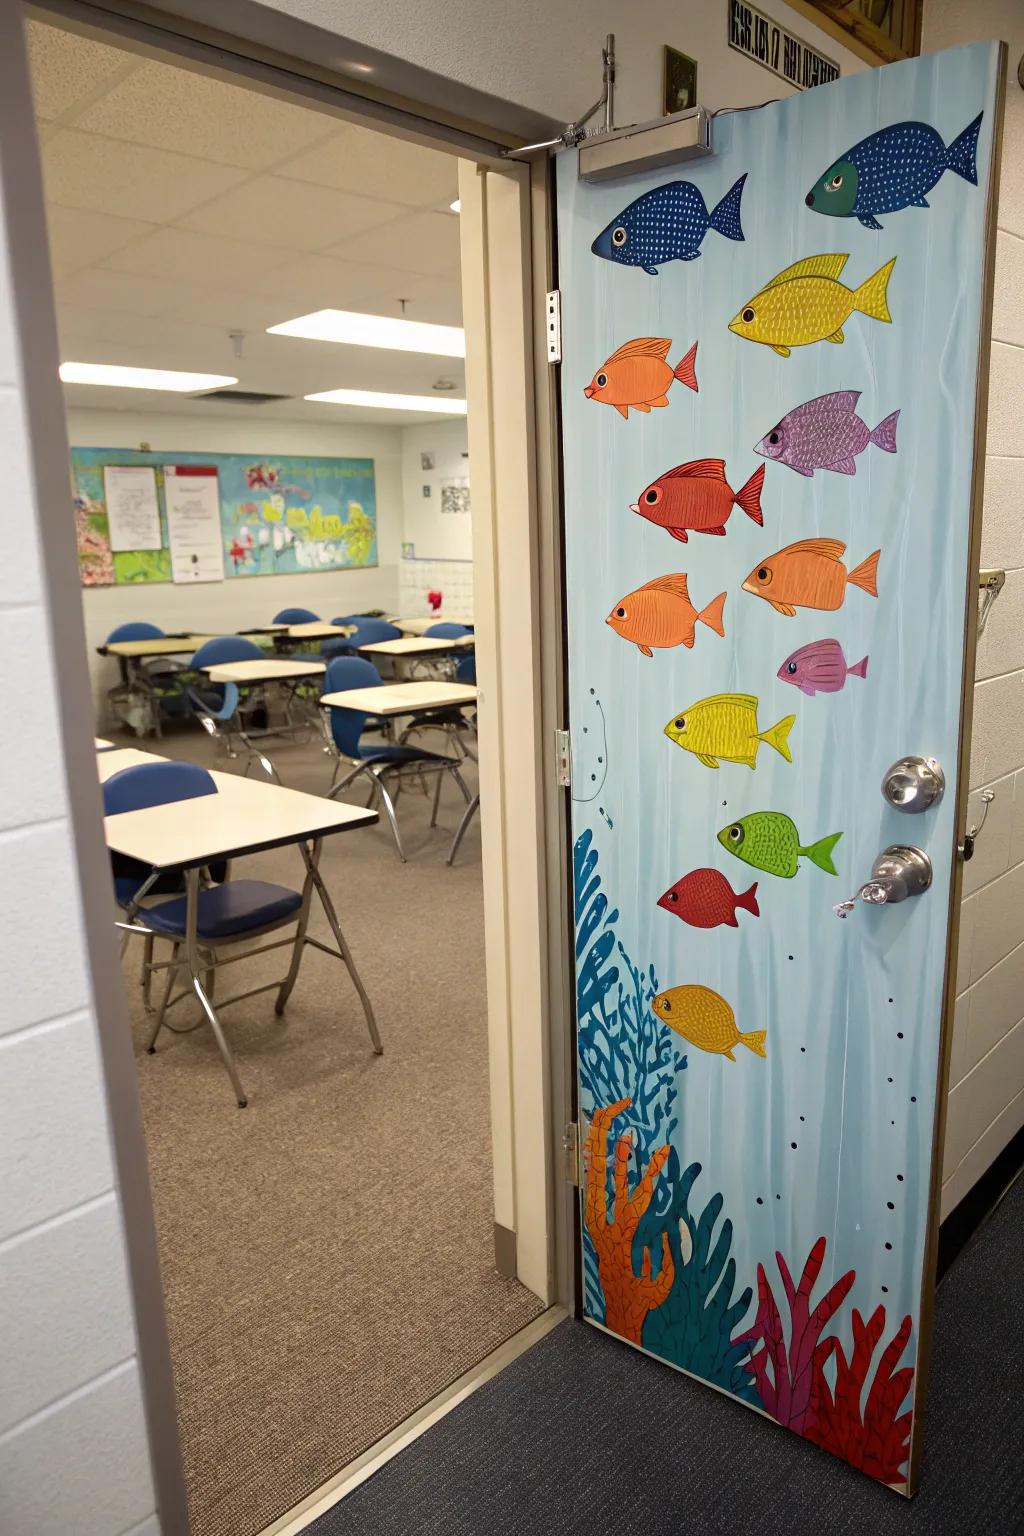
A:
[870,1433]
[434,599]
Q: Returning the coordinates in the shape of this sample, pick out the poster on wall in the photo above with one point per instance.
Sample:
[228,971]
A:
[277,516]
[133,511]
[192,497]
[769,582]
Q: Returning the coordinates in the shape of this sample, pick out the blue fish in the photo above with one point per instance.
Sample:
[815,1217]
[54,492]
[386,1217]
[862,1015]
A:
[668,224]
[892,169]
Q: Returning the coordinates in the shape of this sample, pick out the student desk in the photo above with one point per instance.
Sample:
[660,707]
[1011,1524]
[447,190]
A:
[405,653]
[420,626]
[103,745]
[268,669]
[245,817]
[402,698]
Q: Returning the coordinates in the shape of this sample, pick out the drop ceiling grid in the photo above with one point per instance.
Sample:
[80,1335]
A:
[200,208]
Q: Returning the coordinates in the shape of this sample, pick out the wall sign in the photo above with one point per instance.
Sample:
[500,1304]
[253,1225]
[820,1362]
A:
[759,37]
[192,498]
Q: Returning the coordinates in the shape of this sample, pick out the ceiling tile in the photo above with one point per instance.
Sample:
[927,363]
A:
[67,68]
[163,334]
[77,238]
[184,256]
[361,160]
[427,243]
[436,300]
[95,288]
[81,170]
[271,211]
[168,107]
[228,308]
[309,281]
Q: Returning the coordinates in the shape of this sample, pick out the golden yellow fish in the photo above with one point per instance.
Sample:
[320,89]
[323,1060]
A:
[725,726]
[706,1020]
[807,303]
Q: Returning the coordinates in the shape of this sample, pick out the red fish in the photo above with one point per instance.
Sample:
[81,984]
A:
[697,496]
[705,899]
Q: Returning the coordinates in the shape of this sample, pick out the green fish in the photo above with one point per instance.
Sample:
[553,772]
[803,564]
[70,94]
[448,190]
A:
[770,841]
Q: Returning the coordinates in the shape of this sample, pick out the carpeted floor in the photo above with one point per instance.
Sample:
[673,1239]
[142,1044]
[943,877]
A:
[327,1253]
[584,1437]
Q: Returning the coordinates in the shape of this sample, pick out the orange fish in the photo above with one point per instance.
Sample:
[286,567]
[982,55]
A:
[810,574]
[660,613]
[698,496]
[638,375]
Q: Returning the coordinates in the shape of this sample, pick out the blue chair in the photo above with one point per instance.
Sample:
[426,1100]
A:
[296,616]
[377,763]
[444,630]
[225,914]
[367,632]
[219,707]
[137,629]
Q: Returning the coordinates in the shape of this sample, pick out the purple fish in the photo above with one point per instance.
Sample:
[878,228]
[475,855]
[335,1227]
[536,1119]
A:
[820,668]
[826,433]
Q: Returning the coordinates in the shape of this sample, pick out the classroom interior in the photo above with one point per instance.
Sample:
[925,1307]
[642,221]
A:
[327,1252]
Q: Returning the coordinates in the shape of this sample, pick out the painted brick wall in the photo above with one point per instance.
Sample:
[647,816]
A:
[73,1454]
[986,1101]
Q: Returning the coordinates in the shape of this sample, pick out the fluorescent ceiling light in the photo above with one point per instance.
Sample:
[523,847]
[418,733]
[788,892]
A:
[456,207]
[375,331]
[382,402]
[142,378]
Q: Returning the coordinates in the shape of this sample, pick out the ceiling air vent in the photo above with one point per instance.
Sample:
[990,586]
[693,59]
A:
[242,396]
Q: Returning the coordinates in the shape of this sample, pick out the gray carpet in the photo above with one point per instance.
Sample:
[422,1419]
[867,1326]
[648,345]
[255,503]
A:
[584,1437]
[327,1253]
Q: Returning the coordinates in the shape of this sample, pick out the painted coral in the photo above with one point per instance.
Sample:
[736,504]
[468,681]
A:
[870,1432]
[628,1297]
[784,1373]
[693,1328]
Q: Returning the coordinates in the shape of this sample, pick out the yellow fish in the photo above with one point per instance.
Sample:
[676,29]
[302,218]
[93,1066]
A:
[808,303]
[725,726]
[706,1020]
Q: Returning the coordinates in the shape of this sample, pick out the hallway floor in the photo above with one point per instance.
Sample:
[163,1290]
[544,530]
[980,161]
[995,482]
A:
[584,1437]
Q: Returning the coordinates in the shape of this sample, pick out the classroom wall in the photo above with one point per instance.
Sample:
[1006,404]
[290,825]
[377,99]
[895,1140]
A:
[986,1101]
[442,542]
[233,604]
[73,1451]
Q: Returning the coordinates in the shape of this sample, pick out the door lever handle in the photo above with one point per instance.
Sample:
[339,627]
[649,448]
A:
[898,872]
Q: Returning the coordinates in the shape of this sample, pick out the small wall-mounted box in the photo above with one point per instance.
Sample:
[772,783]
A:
[646,146]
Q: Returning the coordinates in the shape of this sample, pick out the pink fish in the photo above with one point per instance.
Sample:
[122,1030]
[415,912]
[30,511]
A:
[820,667]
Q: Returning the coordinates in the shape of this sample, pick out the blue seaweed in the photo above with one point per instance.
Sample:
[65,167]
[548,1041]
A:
[693,1327]
[623,1051]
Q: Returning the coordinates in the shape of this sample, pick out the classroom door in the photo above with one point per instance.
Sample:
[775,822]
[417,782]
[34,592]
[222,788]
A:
[770,365]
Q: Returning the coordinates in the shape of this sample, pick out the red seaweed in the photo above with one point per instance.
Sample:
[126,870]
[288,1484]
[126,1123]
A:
[871,1434]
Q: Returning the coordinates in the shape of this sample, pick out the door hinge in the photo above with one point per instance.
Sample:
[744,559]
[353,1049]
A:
[563,760]
[554,320]
[571,1148]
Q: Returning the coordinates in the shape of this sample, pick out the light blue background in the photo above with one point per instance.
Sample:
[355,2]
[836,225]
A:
[840,990]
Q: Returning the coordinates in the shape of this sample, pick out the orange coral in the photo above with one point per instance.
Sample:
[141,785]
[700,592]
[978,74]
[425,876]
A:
[628,1297]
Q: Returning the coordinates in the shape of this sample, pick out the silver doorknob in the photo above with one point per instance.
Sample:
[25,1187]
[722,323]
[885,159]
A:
[897,873]
[914,784]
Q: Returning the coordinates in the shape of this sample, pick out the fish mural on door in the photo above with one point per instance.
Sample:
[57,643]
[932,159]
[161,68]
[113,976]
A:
[758,1081]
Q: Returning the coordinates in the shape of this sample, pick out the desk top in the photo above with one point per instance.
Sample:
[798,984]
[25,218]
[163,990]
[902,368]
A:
[167,645]
[245,816]
[403,698]
[420,626]
[413,645]
[269,669]
[103,745]
[319,631]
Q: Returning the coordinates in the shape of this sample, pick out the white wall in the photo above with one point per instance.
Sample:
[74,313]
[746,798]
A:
[233,604]
[442,542]
[73,1452]
[986,1101]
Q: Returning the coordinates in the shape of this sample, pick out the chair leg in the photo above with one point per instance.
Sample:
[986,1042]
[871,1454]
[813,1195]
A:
[437,799]
[147,974]
[158,1021]
[467,817]
[298,947]
[195,966]
[460,781]
[389,811]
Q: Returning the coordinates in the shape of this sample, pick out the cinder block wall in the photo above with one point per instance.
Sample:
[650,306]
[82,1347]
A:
[986,1100]
[73,1453]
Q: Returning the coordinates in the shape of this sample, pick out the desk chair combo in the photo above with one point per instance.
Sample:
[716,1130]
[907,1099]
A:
[136,700]
[456,724]
[367,632]
[380,764]
[200,923]
[219,707]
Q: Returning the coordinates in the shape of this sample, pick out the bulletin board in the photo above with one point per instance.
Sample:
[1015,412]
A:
[279,516]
